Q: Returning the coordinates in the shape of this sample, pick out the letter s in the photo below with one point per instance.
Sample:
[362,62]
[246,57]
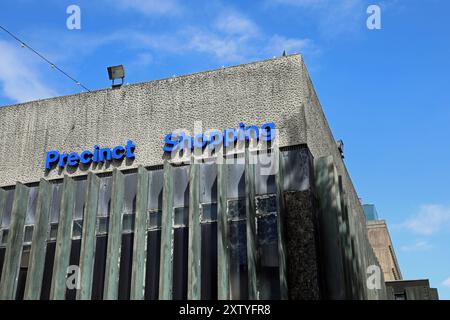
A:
[171,143]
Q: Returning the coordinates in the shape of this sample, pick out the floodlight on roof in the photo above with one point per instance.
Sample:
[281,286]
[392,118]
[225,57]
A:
[116,72]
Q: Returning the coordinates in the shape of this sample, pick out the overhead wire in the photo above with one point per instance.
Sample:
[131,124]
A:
[53,65]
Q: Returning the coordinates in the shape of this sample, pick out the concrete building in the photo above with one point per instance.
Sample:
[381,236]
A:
[411,290]
[384,249]
[88,193]
[397,288]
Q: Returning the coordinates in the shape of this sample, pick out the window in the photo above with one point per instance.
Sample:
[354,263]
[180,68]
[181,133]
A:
[28,235]
[77,229]
[53,231]
[4,237]
[400,296]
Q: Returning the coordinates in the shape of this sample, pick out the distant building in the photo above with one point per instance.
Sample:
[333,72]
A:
[396,287]
[381,242]
[370,212]
[411,290]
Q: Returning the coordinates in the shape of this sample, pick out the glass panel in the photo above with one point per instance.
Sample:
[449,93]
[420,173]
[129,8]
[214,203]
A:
[4,237]
[56,201]
[53,231]
[104,201]
[266,204]
[80,198]
[208,183]
[102,225]
[21,279]
[152,265]
[181,186]
[128,223]
[238,260]
[181,217]
[126,259]
[265,169]
[209,261]
[28,234]
[236,181]
[154,220]
[180,262]
[77,229]
[98,276]
[8,208]
[156,179]
[297,163]
[267,248]
[129,202]
[2,259]
[209,212]
[32,202]
[236,209]
[48,270]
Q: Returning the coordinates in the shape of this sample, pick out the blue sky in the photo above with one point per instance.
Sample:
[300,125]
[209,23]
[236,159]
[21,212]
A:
[385,92]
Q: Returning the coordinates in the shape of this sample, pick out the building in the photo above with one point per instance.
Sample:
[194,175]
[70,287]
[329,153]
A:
[102,188]
[397,288]
[370,211]
[384,249]
[411,290]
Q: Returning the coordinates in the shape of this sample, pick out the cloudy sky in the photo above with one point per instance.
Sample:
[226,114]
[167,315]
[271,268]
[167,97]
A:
[385,92]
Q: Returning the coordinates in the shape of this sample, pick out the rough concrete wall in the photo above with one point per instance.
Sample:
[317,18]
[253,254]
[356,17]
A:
[321,142]
[255,93]
[300,231]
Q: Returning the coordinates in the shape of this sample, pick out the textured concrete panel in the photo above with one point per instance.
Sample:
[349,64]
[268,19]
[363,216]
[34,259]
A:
[255,93]
[300,233]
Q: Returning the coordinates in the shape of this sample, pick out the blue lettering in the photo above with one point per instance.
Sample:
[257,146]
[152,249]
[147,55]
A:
[171,144]
[117,153]
[267,132]
[104,155]
[86,157]
[227,139]
[51,158]
[62,160]
[199,138]
[216,138]
[248,133]
[73,159]
[130,149]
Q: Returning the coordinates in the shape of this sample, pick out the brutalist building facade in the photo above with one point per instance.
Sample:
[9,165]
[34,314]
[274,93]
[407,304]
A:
[226,184]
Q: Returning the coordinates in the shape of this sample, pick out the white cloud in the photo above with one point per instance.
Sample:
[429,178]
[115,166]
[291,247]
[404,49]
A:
[446,282]
[19,75]
[430,219]
[234,23]
[143,59]
[151,7]
[417,246]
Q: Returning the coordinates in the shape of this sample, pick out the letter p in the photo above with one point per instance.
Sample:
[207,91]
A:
[52,157]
